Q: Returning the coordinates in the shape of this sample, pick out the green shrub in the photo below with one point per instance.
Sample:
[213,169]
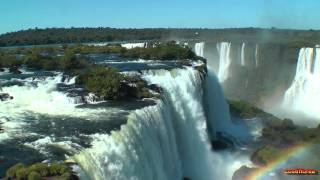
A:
[22,173]
[41,168]
[12,172]
[104,82]
[57,169]
[66,176]
[39,171]
[7,60]
[34,176]
[163,51]
[243,109]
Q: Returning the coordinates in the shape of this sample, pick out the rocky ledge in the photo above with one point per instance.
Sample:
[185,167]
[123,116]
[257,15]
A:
[5,97]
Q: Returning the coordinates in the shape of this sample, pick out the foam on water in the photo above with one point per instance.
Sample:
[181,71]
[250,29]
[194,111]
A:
[43,144]
[40,97]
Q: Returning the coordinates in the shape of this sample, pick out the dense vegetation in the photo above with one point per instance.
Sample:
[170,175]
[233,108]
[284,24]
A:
[285,134]
[277,135]
[108,83]
[277,138]
[40,171]
[165,51]
[105,82]
[243,109]
[81,35]
[64,57]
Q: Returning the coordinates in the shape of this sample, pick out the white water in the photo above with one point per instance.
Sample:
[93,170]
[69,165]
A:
[256,55]
[134,45]
[304,93]
[243,62]
[166,141]
[199,49]
[224,60]
[39,97]
[125,45]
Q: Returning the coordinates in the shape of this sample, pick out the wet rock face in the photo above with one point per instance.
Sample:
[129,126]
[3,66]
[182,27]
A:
[5,97]
[222,142]
[15,70]
[219,145]
[155,88]
[242,173]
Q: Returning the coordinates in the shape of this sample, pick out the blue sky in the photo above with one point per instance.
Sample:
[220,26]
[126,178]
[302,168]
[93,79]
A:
[22,14]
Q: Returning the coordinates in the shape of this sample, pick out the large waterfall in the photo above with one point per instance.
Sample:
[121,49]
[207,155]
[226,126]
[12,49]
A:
[165,141]
[224,61]
[304,93]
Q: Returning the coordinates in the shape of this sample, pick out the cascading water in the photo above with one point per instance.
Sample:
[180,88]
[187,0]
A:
[38,97]
[165,141]
[224,61]
[134,45]
[243,62]
[256,55]
[304,93]
[199,49]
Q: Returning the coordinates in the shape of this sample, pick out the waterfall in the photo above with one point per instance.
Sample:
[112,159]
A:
[256,55]
[224,61]
[165,141]
[199,49]
[134,45]
[243,63]
[219,119]
[304,93]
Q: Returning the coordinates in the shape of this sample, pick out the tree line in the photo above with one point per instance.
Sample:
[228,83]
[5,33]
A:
[84,35]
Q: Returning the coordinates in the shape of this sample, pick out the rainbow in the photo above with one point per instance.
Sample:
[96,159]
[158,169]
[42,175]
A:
[263,172]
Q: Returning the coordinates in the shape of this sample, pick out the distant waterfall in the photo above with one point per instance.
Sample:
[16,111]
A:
[167,141]
[243,62]
[134,45]
[256,55]
[199,49]
[304,93]
[224,60]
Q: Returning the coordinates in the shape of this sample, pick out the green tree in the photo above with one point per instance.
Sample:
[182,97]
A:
[104,82]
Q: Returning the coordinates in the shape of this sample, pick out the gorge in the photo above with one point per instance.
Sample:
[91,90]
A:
[173,135]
